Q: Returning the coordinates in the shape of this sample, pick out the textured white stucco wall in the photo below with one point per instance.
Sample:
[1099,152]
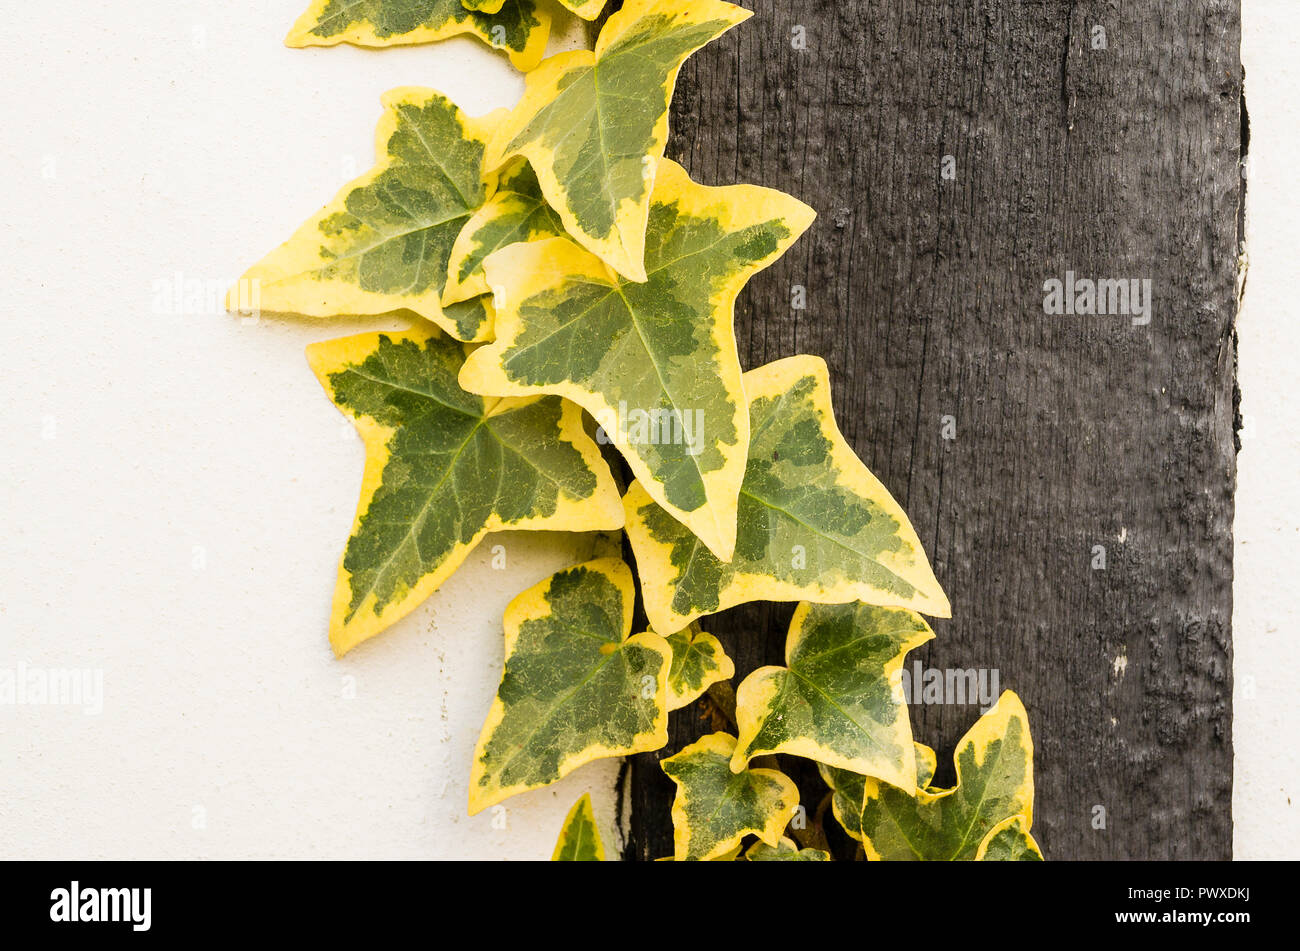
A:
[176,487]
[1266,612]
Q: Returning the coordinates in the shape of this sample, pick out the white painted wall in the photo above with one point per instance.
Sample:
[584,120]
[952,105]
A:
[176,487]
[1266,613]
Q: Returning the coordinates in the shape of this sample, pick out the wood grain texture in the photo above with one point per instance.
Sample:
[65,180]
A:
[925,298]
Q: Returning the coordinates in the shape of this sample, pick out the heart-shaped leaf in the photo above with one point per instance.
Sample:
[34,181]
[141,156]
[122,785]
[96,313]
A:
[714,808]
[383,243]
[813,523]
[517,212]
[518,27]
[444,468]
[580,840]
[840,698]
[655,363]
[575,686]
[594,124]
[698,662]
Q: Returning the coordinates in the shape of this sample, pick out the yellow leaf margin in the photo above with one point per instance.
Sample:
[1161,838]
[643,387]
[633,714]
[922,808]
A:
[533,605]
[599,513]
[283,278]
[654,558]
[723,745]
[582,814]
[363,34]
[755,694]
[624,249]
[519,272]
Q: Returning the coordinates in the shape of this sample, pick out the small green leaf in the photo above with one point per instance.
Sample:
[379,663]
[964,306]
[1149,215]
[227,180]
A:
[654,363]
[443,469]
[698,662]
[840,698]
[995,782]
[846,797]
[594,124]
[847,788]
[1009,841]
[575,686]
[580,838]
[714,808]
[517,212]
[787,850]
[383,243]
[518,27]
[813,523]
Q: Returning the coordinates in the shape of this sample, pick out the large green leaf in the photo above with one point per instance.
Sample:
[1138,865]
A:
[594,124]
[383,243]
[517,212]
[580,840]
[518,27]
[995,782]
[1009,841]
[698,662]
[813,523]
[839,699]
[444,468]
[714,808]
[575,686]
[655,363]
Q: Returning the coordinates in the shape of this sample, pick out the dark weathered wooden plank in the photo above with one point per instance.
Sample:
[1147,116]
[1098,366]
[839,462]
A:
[925,297]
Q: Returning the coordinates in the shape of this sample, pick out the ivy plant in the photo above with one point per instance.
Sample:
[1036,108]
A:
[568,286]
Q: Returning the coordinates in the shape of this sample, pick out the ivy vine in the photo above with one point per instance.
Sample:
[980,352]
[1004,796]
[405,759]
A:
[573,288]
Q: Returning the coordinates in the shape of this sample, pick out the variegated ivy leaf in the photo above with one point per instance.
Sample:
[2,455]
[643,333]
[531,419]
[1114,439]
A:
[995,782]
[698,662]
[813,523]
[1009,841]
[847,788]
[517,27]
[587,9]
[444,468]
[383,243]
[787,850]
[714,808]
[594,124]
[731,855]
[575,687]
[580,838]
[517,212]
[846,797]
[655,363]
[839,699]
